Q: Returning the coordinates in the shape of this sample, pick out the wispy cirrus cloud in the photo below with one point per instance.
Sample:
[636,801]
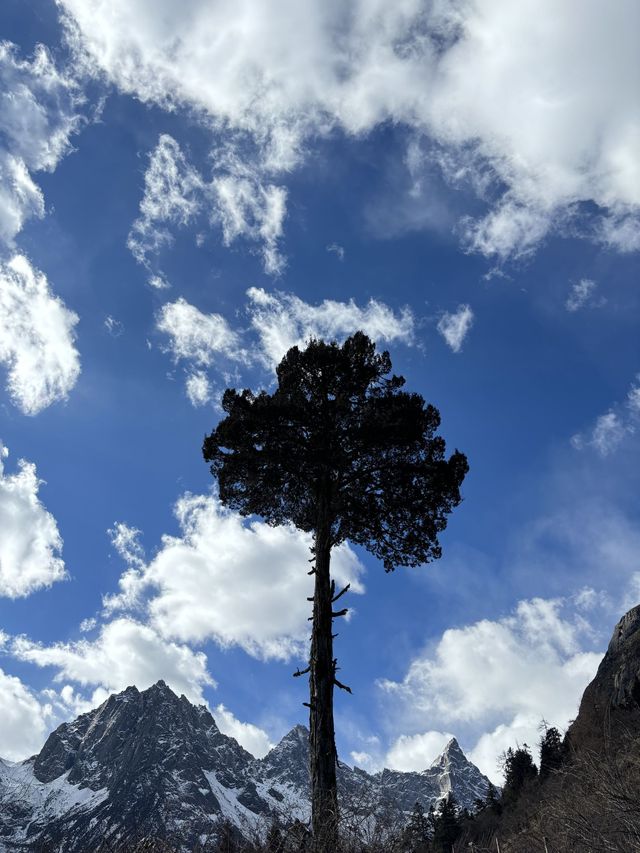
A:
[235,199]
[583,295]
[276,321]
[611,428]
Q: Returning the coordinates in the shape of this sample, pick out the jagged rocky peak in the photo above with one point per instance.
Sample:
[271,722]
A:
[129,730]
[150,764]
[451,752]
[289,759]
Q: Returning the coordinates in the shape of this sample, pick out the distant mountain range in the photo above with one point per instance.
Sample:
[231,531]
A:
[150,764]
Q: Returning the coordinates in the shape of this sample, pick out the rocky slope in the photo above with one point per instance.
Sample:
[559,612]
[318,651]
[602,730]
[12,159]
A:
[591,802]
[610,706]
[152,764]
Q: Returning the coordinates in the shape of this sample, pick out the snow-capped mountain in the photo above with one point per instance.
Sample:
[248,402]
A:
[150,764]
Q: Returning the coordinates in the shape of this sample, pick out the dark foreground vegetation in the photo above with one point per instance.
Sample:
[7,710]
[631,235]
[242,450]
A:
[574,802]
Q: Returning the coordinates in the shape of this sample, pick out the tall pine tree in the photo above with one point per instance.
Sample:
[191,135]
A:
[343,452]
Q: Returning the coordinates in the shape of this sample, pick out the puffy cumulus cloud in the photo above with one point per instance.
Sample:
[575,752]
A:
[528,88]
[194,336]
[30,543]
[455,326]
[541,99]
[610,429]
[236,199]
[255,740]
[226,579]
[282,320]
[125,652]
[499,679]
[25,720]
[36,338]
[416,752]
[38,114]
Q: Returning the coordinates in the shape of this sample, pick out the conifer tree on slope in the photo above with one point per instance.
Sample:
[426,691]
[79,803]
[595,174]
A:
[343,452]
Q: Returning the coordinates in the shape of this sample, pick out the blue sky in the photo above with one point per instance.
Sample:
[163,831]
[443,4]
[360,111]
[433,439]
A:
[186,191]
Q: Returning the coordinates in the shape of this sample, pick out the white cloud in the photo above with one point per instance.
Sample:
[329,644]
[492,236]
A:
[610,429]
[25,720]
[198,388]
[200,340]
[454,327]
[158,282]
[124,653]
[500,678]
[236,199]
[20,197]
[36,338]
[195,336]
[337,250]
[30,543]
[37,117]
[633,396]
[282,320]
[620,231]
[114,327]
[226,579]
[510,230]
[581,294]
[278,321]
[365,761]
[246,207]
[541,98]
[171,196]
[607,433]
[253,739]
[416,752]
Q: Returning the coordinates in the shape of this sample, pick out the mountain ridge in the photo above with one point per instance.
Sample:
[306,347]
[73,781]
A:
[150,763]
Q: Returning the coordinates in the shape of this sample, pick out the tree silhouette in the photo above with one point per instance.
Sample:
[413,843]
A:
[519,770]
[340,450]
[446,825]
[417,831]
[551,752]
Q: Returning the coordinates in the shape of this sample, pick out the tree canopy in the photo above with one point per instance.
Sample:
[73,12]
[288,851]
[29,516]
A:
[339,430]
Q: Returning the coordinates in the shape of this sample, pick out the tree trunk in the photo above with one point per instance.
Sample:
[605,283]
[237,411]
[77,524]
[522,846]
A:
[322,749]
